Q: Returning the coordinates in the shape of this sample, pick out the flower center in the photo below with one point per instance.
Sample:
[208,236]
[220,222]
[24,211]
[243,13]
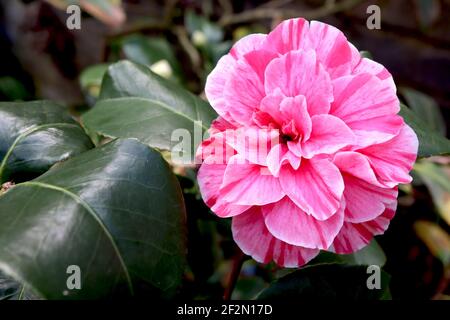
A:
[285,138]
[289,132]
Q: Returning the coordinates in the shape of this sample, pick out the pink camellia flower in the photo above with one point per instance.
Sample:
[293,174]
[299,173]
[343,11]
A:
[336,148]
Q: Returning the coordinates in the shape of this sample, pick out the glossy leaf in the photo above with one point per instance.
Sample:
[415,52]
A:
[330,282]
[13,90]
[149,121]
[199,24]
[127,79]
[437,180]
[428,12]
[36,135]
[91,78]
[426,109]
[372,254]
[10,289]
[150,109]
[435,238]
[430,142]
[116,212]
[151,51]
[366,54]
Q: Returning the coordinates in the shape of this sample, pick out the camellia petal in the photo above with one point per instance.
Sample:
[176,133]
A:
[245,183]
[300,73]
[392,160]
[365,65]
[252,236]
[289,35]
[355,236]
[365,201]
[278,156]
[332,48]
[247,44]
[215,83]
[210,178]
[287,222]
[329,134]
[356,164]
[364,102]
[316,187]
[253,144]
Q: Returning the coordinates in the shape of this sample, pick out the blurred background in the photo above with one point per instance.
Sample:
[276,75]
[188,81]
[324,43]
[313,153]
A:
[183,40]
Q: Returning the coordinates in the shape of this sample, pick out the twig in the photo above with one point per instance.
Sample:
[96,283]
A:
[186,44]
[149,24]
[238,261]
[169,9]
[226,6]
[275,3]
[329,8]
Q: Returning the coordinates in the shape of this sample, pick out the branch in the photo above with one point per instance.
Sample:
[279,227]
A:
[329,8]
[238,261]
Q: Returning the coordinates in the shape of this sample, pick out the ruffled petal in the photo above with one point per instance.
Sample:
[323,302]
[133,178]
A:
[355,236]
[252,236]
[288,112]
[280,155]
[332,48]
[210,178]
[368,106]
[215,85]
[288,36]
[364,201]
[247,44]
[287,222]
[394,159]
[244,89]
[316,187]
[217,79]
[300,73]
[366,65]
[356,164]
[215,150]
[329,134]
[253,143]
[249,184]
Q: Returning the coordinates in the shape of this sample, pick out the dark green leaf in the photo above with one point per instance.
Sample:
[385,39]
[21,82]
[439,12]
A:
[211,31]
[117,212]
[12,89]
[127,79]
[36,135]
[366,54]
[216,51]
[430,142]
[156,109]
[150,50]
[426,109]
[330,282]
[149,121]
[372,254]
[10,289]
[428,12]
[437,180]
[91,78]
[435,238]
